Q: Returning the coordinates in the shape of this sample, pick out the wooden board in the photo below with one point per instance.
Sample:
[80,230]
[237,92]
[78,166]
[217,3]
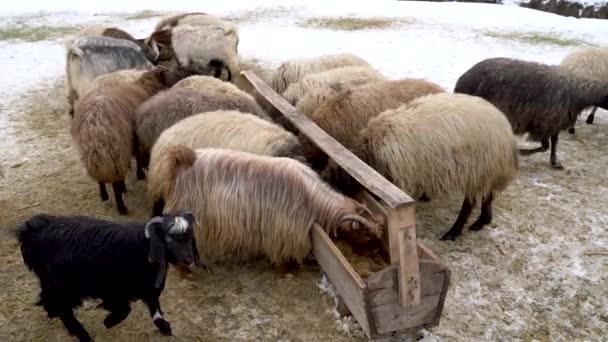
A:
[349,284]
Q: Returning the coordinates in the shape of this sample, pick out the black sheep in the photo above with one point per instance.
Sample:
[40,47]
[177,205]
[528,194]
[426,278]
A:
[78,257]
[536,98]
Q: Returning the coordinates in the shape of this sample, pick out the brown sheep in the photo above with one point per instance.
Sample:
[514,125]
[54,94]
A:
[102,129]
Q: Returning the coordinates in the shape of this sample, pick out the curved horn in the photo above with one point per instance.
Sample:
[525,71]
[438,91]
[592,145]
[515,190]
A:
[152,221]
[360,220]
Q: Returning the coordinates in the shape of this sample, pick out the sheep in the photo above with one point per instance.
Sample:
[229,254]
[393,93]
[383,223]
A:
[538,99]
[437,145]
[591,62]
[344,115]
[89,57]
[102,129]
[168,107]
[350,76]
[78,257]
[292,71]
[210,84]
[222,129]
[247,205]
[187,18]
[112,32]
[114,78]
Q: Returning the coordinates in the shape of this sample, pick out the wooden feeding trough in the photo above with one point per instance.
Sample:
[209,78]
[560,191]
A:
[406,295]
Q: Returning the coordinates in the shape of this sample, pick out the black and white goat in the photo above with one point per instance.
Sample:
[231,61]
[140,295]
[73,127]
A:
[78,257]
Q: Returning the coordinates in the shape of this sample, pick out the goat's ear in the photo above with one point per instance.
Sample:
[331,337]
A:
[156,253]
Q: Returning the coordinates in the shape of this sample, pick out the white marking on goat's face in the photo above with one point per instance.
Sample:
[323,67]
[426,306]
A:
[180,226]
[157,316]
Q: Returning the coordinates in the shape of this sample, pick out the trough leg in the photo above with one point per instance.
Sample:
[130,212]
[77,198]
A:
[485,217]
[119,188]
[544,147]
[553,159]
[118,313]
[591,116]
[465,212]
[74,327]
[157,316]
[342,308]
[103,193]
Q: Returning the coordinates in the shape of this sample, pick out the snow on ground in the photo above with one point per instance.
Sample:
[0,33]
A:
[540,271]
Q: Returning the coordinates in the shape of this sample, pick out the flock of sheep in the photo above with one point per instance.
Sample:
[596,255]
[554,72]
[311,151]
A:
[230,176]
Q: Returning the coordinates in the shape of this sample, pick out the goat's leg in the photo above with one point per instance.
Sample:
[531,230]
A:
[591,116]
[157,316]
[544,147]
[118,313]
[73,326]
[103,193]
[485,217]
[465,212]
[553,159]
[119,188]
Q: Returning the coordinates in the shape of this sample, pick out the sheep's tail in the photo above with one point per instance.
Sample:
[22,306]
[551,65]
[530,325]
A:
[75,51]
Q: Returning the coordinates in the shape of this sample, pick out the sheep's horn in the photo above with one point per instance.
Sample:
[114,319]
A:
[154,220]
[360,220]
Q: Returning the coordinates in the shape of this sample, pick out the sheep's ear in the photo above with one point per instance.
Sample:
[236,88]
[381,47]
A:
[156,252]
[162,37]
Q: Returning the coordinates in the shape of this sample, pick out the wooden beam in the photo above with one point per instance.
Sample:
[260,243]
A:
[404,253]
[363,173]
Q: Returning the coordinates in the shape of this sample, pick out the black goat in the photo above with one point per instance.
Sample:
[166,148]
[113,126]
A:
[78,257]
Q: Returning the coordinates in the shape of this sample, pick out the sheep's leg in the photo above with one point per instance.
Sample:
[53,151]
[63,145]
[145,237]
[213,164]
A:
[424,198]
[119,188]
[158,207]
[118,313]
[485,217]
[553,159]
[591,116]
[103,192]
[465,212]
[157,316]
[544,147]
[73,326]
[140,168]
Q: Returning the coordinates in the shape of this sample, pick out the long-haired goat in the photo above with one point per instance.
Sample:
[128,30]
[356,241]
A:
[538,99]
[102,128]
[248,205]
[221,129]
[437,145]
[79,257]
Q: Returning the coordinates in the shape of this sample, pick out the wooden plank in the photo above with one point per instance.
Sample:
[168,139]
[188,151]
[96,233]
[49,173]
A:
[404,252]
[363,173]
[349,284]
[389,316]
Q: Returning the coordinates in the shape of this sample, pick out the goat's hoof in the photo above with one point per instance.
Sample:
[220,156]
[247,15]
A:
[164,327]
[571,130]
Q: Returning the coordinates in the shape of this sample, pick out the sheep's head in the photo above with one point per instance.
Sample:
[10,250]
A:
[159,45]
[171,241]
[179,72]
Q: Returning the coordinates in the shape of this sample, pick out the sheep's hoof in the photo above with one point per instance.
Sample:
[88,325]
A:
[476,226]
[590,120]
[557,165]
[141,175]
[450,235]
[163,326]
[571,130]
[123,211]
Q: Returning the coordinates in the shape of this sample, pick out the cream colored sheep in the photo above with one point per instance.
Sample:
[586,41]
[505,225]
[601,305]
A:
[114,78]
[248,205]
[442,144]
[222,129]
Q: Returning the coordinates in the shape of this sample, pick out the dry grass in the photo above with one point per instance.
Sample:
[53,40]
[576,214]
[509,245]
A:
[353,24]
[534,38]
[257,15]
[145,14]
[35,34]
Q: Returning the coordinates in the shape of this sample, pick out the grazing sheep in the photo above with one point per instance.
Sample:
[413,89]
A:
[344,115]
[168,107]
[221,129]
[438,145]
[591,62]
[79,257]
[346,77]
[538,99]
[89,57]
[248,205]
[293,71]
[112,32]
[102,129]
